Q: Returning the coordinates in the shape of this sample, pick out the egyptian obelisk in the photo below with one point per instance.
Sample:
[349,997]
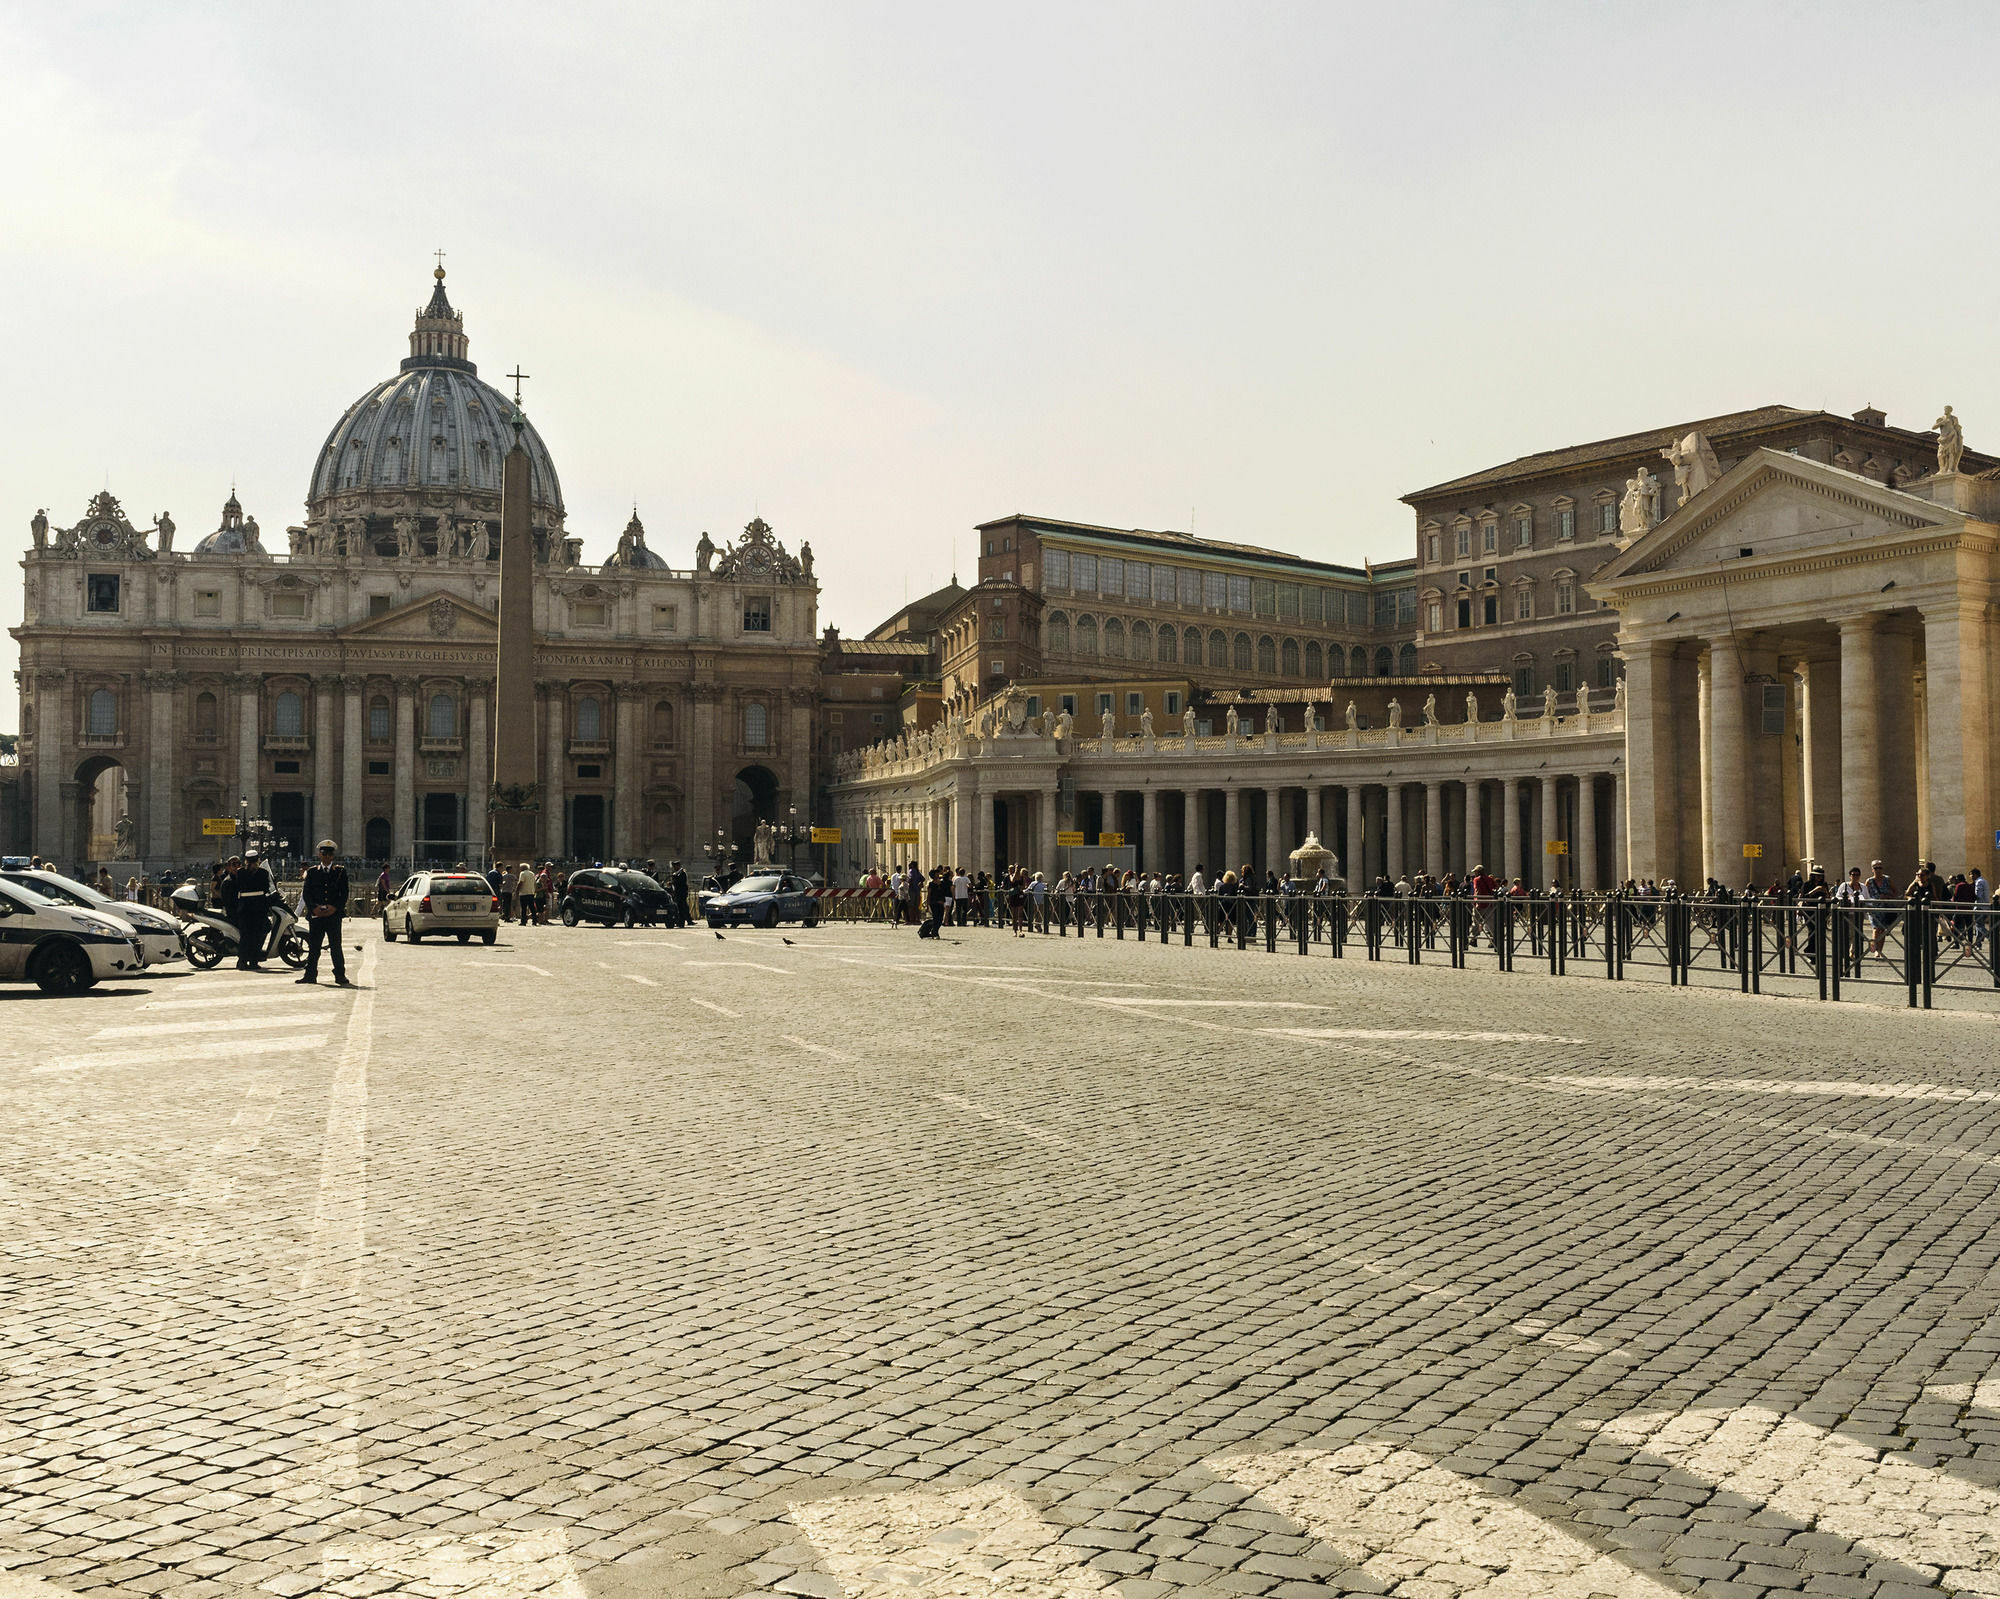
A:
[515,805]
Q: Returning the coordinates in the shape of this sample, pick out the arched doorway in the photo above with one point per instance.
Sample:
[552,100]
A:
[100,806]
[756,801]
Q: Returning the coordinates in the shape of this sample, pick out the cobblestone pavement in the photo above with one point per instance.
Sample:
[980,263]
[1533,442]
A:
[606,1263]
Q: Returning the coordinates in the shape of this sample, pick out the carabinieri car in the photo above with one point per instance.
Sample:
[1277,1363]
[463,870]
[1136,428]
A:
[763,901]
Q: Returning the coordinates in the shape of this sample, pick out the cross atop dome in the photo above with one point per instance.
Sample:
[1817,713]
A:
[439,336]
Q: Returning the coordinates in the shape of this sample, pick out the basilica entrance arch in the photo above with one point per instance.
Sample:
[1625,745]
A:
[756,800]
[99,806]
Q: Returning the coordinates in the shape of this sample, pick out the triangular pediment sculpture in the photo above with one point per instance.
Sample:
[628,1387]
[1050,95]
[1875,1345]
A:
[437,618]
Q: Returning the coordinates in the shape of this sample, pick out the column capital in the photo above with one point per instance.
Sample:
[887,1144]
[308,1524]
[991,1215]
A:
[1859,622]
[245,682]
[352,682]
[406,687]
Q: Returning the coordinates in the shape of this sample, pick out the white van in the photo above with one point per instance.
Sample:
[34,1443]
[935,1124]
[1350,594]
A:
[62,949]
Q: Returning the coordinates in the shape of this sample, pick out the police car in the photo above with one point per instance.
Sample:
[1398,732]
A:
[159,934]
[61,949]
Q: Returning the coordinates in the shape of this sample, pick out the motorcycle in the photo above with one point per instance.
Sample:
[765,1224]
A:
[211,936]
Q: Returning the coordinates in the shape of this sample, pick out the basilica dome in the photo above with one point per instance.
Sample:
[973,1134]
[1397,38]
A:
[428,444]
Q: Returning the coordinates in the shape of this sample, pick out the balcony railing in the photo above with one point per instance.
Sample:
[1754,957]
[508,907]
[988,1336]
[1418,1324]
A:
[442,746]
[590,746]
[102,741]
[287,743]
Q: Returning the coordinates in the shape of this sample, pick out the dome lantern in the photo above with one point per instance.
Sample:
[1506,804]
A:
[439,338]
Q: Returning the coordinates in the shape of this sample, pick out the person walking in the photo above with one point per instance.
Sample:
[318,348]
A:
[325,896]
[524,892]
[961,896]
[253,911]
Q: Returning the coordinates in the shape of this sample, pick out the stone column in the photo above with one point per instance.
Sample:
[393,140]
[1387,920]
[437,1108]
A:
[1434,828]
[160,766]
[353,763]
[987,813]
[1392,829]
[703,744]
[1315,826]
[1860,750]
[1707,761]
[1355,863]
[1150,853]
[1824,840]
[555,736]
[477,770]
[52,763]
[1274,833]
[1510,828]
[323,764]
[1473,844]
[1585,877]
[1650,825]
[625,772]
[1729,821]
[1045,832]
[246,686]
[963,830]
[1958,726]
[1897,710]
[403,820]
[1232,828]
[1551,829]
[1190,831]
[1621,864]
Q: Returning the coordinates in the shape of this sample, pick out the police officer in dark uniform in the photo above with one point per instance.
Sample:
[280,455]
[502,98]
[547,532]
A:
[325,894]
[679,886]
[253,912]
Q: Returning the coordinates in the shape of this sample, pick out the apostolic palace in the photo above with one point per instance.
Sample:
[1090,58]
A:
[1719,648]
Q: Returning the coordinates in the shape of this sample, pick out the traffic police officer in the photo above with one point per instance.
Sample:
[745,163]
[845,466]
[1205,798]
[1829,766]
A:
[253,911]
[325,894]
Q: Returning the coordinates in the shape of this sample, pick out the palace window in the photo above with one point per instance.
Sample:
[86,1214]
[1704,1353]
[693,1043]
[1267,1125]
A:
[101,592]
[1114,637]
[589,720]
[1312,658]
[1188,581]
[378,604]
[1566,522]
[1055,568]
[1607,516]
[1406,661]
[757,613]
[1489,537]
[1357,663]
[1267,655]
[1241,654]
[1385,662]
[1058,628]
[1111,575]
[756,726]
[1086,635]
[443,716]
[1524,532]
[378,720]
[1084,569]
[1312,602]
[1565,677]
[1166,645]
[1134,704]
[1289,657]
[1215,591]
[1163,585]
[1565,596]
[1239,595]
[1264,597]
[1104,705]
[1068,703]
[288,715]
[1434,616]
[1218,650]
[1524,680]
[1173,702]
[103,722]
[1288,602]
[1433,549]
[1357,608]
[1524,604]
[1464,542]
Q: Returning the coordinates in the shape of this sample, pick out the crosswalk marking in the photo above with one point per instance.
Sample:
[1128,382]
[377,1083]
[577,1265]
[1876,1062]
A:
[236,1024]
[967,1543]
[489,1565]
[812,1048]
[1891,1507]
[709,1004]
[1009,1122]
[1443,1034]
[156,1056]
[275,996]
[1770,1085]
[633,977]
[1404,1519]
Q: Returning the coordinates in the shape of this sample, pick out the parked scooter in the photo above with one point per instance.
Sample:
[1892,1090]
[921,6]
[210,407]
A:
[211,936]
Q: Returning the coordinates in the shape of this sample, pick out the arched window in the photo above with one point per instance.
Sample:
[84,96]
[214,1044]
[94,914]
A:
[1312,658]
[756,726]
[103,713]
[663,723]
[1086,636]
[1267,655]
[1242,652]
[1058,633]
[1166,651]
[443,716]
[1114,637]
[1218,650]
[1290,657]
[1358,663]
[1142,642]
[288,715]
[1406,661]
[204,714]
[1385,662]
[378,720]
[589,720]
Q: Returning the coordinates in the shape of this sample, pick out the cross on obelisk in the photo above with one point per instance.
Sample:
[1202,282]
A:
[519,378]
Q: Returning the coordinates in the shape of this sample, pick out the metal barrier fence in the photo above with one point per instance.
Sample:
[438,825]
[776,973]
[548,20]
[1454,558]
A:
[1815,949]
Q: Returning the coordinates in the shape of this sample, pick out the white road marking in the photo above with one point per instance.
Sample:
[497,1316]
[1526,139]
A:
[518,965]
[1439,1033]
[968,1543]
[340,1215]
[156,1056]
[238,1024]
[14,1585]
[487,1565]
[1020,1127]
[1768,1085]
[271,996]
[1891,1508]
[1980,1395]
[817,1049]
[755,966]
[709,1004]
[1401,1518]
[1544,1332]
[633,978]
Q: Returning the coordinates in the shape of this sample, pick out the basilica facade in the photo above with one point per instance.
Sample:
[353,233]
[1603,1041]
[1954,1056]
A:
[341,684]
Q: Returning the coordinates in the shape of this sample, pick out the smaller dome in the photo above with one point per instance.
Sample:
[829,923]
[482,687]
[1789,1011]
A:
[237,535]
[632,549]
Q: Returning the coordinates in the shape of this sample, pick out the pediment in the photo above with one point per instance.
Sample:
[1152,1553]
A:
[1775,505]
[434,617]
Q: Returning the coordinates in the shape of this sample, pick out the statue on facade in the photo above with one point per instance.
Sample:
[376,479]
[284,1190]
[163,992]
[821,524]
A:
[406,536]
[1508,705]
[1430,710]
[123,835]
[806,557]
[1636,512]
[1229,721]
[163,525]
[1618,695]
[1353,720]
[766,838]
[983,727]
[296,540]
[1312,720]
[1065,725]
[1187,722]
[1471,706]
[252,543]
[1695,464]
[38,527]
[1146,722]
[1951,441]
[1395,712]
[1549,702]
[704,553]
[482,542]
[1109,726]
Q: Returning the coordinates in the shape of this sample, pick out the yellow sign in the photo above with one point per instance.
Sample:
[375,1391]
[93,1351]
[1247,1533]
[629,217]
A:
[218,827]
[826,835]
[1752,852]
[1556,846]
[1110,840]
[902,835]
[1068,840]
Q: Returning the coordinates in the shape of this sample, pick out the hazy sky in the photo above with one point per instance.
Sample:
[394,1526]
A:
[884,271]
